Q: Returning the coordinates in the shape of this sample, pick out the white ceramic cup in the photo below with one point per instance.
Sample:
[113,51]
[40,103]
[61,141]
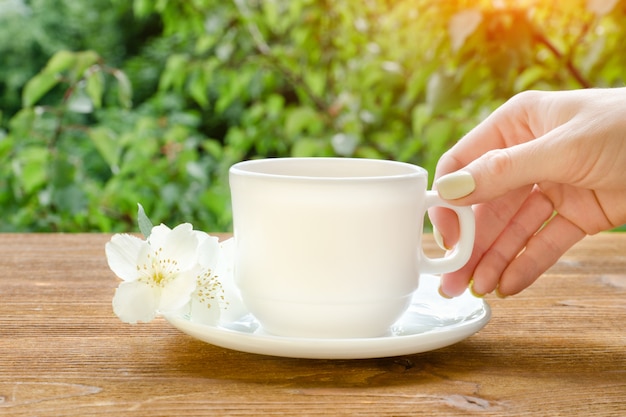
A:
[332,247]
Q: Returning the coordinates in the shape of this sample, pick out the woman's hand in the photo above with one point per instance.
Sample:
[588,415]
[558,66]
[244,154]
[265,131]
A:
[543,171]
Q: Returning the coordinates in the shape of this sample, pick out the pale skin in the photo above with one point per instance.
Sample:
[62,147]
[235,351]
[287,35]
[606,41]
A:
[548,168]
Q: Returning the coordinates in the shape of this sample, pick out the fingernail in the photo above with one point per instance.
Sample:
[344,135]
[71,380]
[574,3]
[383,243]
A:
[499,294]
[472,291]
[439,239]
[443,294]
[455,185]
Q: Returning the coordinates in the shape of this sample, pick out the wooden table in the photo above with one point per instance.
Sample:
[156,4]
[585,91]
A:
[559,348]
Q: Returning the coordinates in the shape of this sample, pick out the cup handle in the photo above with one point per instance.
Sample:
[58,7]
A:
[463,249]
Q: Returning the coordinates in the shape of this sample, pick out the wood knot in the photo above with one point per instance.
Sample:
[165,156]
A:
[401,365]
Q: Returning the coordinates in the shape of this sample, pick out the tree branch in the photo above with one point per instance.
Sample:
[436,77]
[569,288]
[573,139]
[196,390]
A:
[569,65]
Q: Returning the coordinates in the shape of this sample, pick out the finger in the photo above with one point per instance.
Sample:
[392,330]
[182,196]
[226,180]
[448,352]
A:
[445,223]
[453,284]
[516,122]
[505,127]
[521,143]
[533,213]
[542,251]
[491,218]
[499,171]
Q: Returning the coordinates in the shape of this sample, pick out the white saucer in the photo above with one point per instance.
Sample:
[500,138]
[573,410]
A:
[432,322]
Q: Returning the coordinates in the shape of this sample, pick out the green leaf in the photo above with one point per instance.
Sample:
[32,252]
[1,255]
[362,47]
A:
[198,89]
[301,119]
[94,87]
[61,61]
[37,87]
[316,81]
[30,168]
[125,89]
[70,199]
[213,147]
[307,147]
[368,152]
[410,149]
[85,60]
[174,73]
[23,121]
[145,225]
[420,116]
[143,8]
[272,14]
[110,150]
[62,171]
[441,93]
[437,135]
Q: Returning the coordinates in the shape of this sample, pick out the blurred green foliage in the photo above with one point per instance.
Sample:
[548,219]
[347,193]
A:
[110,103]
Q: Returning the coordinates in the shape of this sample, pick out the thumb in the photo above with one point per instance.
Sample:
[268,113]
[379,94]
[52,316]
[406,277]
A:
[499,171]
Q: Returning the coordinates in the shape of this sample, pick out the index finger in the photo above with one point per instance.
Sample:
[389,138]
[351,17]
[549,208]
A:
[505,127]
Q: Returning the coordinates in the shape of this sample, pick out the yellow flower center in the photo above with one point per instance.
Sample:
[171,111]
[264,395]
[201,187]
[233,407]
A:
[209,288]
[158,271]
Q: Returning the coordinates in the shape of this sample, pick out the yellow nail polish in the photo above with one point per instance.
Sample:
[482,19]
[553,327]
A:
[444,295]
[472,291]
[499,294]
[455,185]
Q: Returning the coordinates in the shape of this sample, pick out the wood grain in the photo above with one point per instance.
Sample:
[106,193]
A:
[559,348]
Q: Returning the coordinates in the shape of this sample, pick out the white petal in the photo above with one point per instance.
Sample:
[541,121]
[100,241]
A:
[159,235]
[209,252]
[202,313]
[228,249]
[234,307]
[144,260]
[177,293]
[202,236]
[225,265]
[181,245]
[122,252]
[136,301]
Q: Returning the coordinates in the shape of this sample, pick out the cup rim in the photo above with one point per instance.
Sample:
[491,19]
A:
[260,168]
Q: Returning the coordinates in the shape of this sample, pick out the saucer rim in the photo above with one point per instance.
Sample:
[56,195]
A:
[342,348]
